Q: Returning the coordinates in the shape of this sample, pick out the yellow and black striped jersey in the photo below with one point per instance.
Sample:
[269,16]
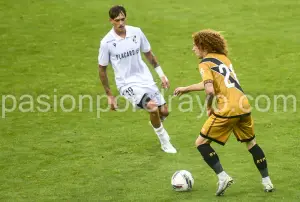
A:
[231,100]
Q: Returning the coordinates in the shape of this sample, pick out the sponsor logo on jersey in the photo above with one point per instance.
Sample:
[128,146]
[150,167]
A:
[127,54]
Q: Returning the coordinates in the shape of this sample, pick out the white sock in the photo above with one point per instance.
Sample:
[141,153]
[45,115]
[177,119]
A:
[160,130]
[266,179]
[162,134]
[222,175]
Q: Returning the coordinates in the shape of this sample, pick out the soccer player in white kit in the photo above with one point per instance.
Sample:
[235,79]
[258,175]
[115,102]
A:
[122,47]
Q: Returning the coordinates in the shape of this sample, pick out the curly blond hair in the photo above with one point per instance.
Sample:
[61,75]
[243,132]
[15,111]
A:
[210,41]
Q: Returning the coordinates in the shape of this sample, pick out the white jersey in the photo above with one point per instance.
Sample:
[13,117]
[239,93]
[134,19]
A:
[124,54]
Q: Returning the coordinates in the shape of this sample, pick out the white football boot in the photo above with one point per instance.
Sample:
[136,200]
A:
[168,148]
[223,184]
[166,145]
[164,139]
[268,186]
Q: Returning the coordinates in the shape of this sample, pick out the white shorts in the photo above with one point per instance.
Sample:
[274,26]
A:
[140,95]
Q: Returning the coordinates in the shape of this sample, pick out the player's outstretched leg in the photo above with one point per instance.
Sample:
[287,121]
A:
[211,158]
[159,129]
[261,164]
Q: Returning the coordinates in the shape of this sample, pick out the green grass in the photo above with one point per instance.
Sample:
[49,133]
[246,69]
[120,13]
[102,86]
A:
[47,45]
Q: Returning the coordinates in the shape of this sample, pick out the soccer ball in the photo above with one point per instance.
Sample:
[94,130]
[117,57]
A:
[182,180]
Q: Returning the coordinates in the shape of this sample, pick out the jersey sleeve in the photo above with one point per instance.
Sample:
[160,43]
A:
[205,72]
[103,57]
[145,45]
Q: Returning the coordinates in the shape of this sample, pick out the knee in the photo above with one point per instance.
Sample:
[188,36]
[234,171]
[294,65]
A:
[164,111]
[200,141]
[197,143]
[250,144]
[151,106]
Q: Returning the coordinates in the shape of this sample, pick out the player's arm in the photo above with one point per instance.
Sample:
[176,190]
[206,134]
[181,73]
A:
[104,80]
[151,58]
[146,49]
[153,61]
[207,78]
[210,94]
[103,61]
[194,87]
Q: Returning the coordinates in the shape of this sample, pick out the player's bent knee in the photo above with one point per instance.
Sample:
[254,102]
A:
[165,114]
[151,106]
[164,111]
[250,144]
[201,140]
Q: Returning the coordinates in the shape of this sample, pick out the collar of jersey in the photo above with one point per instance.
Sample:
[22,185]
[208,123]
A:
[117,37]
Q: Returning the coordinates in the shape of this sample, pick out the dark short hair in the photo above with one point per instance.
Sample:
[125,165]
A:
[115,11]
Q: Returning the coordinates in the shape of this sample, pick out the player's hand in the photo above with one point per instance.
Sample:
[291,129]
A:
[165,82]
[209,111]
[112,102]
[180,90]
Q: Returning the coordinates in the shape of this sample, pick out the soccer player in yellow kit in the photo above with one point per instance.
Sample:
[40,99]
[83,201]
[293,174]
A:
[232,113]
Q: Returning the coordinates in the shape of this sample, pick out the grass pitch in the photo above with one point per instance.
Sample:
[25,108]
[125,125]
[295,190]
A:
[51,48]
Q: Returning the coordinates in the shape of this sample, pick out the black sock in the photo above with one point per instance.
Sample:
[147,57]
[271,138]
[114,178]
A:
[259,160]
[210,157]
